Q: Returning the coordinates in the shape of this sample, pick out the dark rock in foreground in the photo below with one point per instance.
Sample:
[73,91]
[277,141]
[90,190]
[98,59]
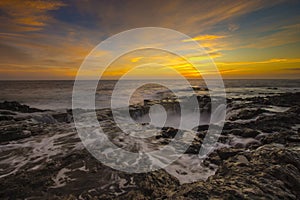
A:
[271,171]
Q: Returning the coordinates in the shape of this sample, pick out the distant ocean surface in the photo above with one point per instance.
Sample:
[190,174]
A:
[57,95]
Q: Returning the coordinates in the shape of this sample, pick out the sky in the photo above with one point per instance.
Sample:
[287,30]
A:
[45,40]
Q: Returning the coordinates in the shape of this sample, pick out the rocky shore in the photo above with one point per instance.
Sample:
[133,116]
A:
[258,155]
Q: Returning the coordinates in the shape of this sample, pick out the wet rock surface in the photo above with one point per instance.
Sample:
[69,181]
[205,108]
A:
[16,106]
[257,155]
[270,171]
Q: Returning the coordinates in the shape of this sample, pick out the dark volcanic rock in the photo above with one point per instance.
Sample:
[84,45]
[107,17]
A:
[246,132]
[15,106]
[5,118]
[249,133]
[269,123]
[194,148]
[247,114]
[225,153]
[5,112]
[168,132]
[283,137]
[19,130]
[269,172]
[94,181]
[203,128]
[62,117]
[153,185]
[286,99]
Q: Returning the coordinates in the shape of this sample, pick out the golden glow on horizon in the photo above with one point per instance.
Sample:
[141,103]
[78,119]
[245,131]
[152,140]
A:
[152,64]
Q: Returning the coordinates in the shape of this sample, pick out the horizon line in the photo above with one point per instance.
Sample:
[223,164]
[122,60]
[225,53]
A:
[147,79]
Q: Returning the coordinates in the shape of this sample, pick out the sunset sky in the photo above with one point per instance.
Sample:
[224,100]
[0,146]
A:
[246,39]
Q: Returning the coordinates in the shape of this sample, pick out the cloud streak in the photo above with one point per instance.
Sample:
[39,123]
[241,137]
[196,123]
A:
[27,15]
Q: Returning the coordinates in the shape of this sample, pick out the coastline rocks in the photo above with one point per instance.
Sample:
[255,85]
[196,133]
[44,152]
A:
[267,123]
[19,121]
[62,117]
[244,143]
[15,106]
[168,132]
[6,118]
[225,153]
[246,132]
[5,112]
[283,137]
[271,171]
[247,114]
[153,185]
[45,118]
[80,176]
[256,159]
[19,130]
[285,100]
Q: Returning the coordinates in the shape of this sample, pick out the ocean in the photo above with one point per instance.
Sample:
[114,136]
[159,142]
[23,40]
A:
[57,94]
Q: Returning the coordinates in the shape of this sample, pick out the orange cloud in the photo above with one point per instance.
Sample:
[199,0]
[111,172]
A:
[205,37]
[27,15]
[277,67]
[274,60]
[136,59]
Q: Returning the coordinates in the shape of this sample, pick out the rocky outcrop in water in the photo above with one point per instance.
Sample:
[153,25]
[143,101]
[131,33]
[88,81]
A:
[16,106]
